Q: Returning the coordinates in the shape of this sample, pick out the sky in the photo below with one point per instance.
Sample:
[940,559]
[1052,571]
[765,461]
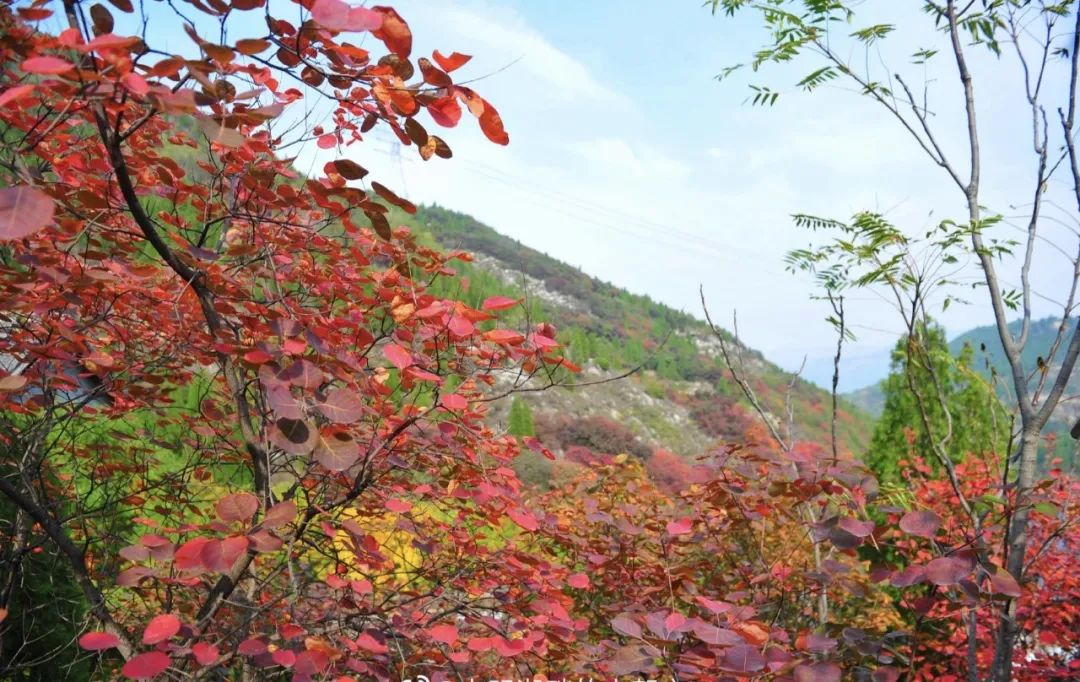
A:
[628,159]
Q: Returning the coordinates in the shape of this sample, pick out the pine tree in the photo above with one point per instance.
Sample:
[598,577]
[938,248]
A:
[521,419]
[979,422]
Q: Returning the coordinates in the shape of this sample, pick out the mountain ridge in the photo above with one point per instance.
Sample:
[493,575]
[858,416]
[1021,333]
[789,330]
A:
[682,398]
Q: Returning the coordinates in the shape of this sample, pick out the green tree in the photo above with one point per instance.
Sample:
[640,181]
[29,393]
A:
[521,419]
[974,416]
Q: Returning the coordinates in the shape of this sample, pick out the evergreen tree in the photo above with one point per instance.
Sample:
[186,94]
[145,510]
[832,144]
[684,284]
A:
[521,419]
[979,422]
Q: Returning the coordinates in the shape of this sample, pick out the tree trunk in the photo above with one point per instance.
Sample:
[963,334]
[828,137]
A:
[1016,546]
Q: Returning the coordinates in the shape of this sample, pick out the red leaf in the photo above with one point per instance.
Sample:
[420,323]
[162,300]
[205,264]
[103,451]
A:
[23,211]
[46,66]
[499,303]
[263,541]
[945,571]
[189,555]
[626,625]
[337,451]
[132,576]
[341,406]
[445,634]
[366,641]
[394,32]
[17,92]
[578,580]
[257,356]
[456,60]
[237,507]
[1002,582]
[331,14]
[859,529]
[398,356]
[680,527]
[284,657]
[251,647]
[161,628]
[492,125]
[632,658]
[146,666]
[523,518]
[445,111]
[97,641]
[220,555]
[205,653]
[397,506]
[460,327]
[714,607]
[339,16]
[455,402]
[328,141]
[674,622]
[136,84]
[281,514]
[742,659]
[295,436]
[924,524]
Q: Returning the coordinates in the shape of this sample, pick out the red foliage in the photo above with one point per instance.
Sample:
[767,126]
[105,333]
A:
[595,433]
[1048,615]
[720,417]
[579,454]
[669,471]
[285,482]
[282,430]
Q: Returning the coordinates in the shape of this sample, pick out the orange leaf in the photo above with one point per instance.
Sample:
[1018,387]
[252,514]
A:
[252,46]
[394,32]
[455,61]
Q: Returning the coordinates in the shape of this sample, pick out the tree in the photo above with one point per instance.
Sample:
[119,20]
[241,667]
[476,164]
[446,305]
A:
[980,424]
[228,398]
[1042,40]
[520,419]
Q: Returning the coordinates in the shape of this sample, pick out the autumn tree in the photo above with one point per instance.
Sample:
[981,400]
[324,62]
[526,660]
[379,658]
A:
[1041,40]
[980,424]
[231,407]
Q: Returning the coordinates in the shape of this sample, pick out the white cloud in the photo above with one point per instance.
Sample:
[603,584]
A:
[724,156]
[616,156]
[511,38]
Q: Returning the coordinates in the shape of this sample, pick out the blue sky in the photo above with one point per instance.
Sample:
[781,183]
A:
[628,159]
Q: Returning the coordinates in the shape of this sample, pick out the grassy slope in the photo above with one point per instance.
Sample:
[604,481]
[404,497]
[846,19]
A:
[616,330]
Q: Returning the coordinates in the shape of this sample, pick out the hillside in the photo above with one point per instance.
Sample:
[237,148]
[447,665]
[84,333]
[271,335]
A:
[682,400]
[990,362]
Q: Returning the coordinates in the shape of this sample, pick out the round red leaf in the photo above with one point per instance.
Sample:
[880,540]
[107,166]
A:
[161,628]
[146,666]
[23,211]
[97,641]
[237,507]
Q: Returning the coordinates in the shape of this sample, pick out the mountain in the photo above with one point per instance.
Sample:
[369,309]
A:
[681,400]
[991,363]
[988,348]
